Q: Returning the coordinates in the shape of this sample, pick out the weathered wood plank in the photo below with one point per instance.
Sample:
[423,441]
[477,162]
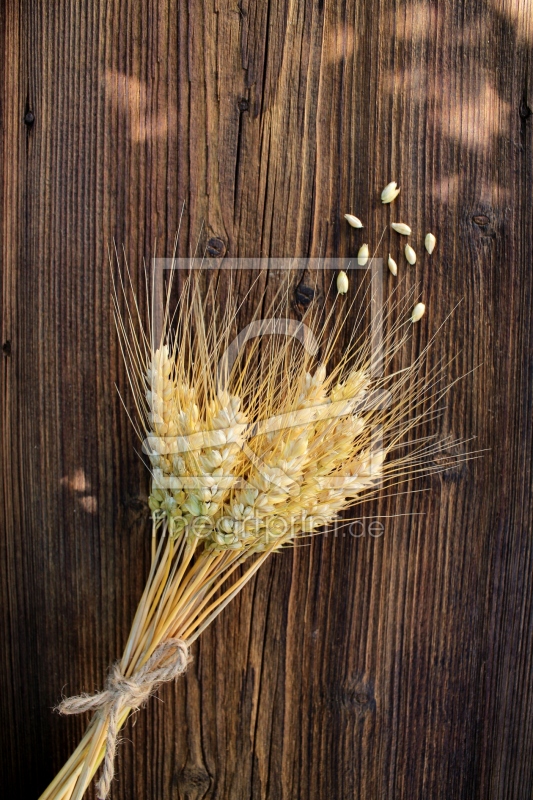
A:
[391,667]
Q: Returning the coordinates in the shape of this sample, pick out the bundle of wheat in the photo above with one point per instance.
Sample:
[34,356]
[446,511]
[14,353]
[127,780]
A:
[253,443]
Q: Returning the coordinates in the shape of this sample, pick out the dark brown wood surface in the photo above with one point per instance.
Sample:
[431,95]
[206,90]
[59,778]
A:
[392,667]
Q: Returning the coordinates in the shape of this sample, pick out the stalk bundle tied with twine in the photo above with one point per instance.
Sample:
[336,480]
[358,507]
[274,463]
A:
[169,660]
[244,467]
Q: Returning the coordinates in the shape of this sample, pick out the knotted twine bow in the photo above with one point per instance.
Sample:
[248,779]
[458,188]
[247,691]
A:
[167,662]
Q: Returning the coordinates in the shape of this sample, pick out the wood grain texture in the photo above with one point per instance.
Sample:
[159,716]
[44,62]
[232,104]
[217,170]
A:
[392,667]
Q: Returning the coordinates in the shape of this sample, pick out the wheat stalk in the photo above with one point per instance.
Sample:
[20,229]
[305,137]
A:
[246,459]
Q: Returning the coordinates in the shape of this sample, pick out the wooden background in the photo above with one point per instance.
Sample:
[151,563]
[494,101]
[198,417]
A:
[398,667]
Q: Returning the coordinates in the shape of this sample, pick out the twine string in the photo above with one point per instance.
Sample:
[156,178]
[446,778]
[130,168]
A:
[169,660]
